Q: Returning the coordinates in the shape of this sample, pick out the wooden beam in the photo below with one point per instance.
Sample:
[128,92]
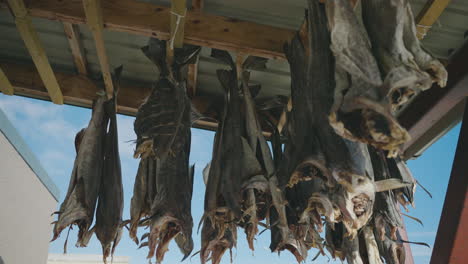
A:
[34,46]
[178,13]
[197,5]
[451,240]
[73,35]
[5,86]
[433,105]
[192,78]
[429,15]
[93,11]
[151,20]
[79,90]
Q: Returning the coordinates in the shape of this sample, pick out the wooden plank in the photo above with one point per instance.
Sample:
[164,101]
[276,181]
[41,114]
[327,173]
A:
[79,90]
[151,20]
[451,245]
[93,11]
[197,5]
[5,86]
[429,15]
[192,78]
[178,13]
[433,105]
[37,52]
[73,35]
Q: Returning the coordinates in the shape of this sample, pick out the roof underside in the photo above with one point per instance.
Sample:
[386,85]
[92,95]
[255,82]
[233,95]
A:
[124,48]
[445,37]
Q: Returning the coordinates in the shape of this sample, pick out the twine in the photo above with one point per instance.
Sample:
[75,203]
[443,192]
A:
[179,17]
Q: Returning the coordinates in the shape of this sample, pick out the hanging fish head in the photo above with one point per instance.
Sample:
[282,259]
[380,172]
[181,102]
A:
[355,202]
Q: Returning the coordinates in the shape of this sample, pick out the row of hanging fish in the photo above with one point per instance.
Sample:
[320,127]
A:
[341,167]
[95,189]
[334,168]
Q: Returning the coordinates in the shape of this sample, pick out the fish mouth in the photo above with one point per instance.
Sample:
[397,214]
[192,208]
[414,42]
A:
[361,203]
[215,250]
[372,123]
[309,169]
[163,230]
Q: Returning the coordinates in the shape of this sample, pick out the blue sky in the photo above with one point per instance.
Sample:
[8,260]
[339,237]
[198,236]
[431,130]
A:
[49,131]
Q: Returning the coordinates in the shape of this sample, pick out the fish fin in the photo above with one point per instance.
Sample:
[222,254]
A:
[416,243]
[223,56]
[414,218]
[191,176]
[227,79]
[206,172]
[425,190]
[186,55]
[390,184]
[255,90]
[156,52]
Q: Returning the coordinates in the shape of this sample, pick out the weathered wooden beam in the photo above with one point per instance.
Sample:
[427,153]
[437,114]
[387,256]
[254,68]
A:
[79,90]
[429,15]
[197,5]
[34,46]
[433,105]
[73,35]
[192,78]
[93,12]
[151,20]
[5,85]
[451,240]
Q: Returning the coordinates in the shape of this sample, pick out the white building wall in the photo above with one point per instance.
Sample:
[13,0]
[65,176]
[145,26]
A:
[83,259]
[25,210]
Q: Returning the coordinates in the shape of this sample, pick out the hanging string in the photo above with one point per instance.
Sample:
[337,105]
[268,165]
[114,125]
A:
[424,31]
[179,17]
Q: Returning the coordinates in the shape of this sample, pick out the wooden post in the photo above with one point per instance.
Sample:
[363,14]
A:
[178,13]
[429,15]
[37,52]
[95,23]
[5,85]
[192,78]
[451,244]
[73,35]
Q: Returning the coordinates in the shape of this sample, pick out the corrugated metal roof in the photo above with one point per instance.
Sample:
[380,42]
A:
[124,48]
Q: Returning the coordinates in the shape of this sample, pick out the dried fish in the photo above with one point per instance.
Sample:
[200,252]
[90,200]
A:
[158,121]
[386,213]
[406,67]
[110,204]
[361,110]
[344,165]
[163,133]
[80,201]
[399,170]
[223,189]
[392,251]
